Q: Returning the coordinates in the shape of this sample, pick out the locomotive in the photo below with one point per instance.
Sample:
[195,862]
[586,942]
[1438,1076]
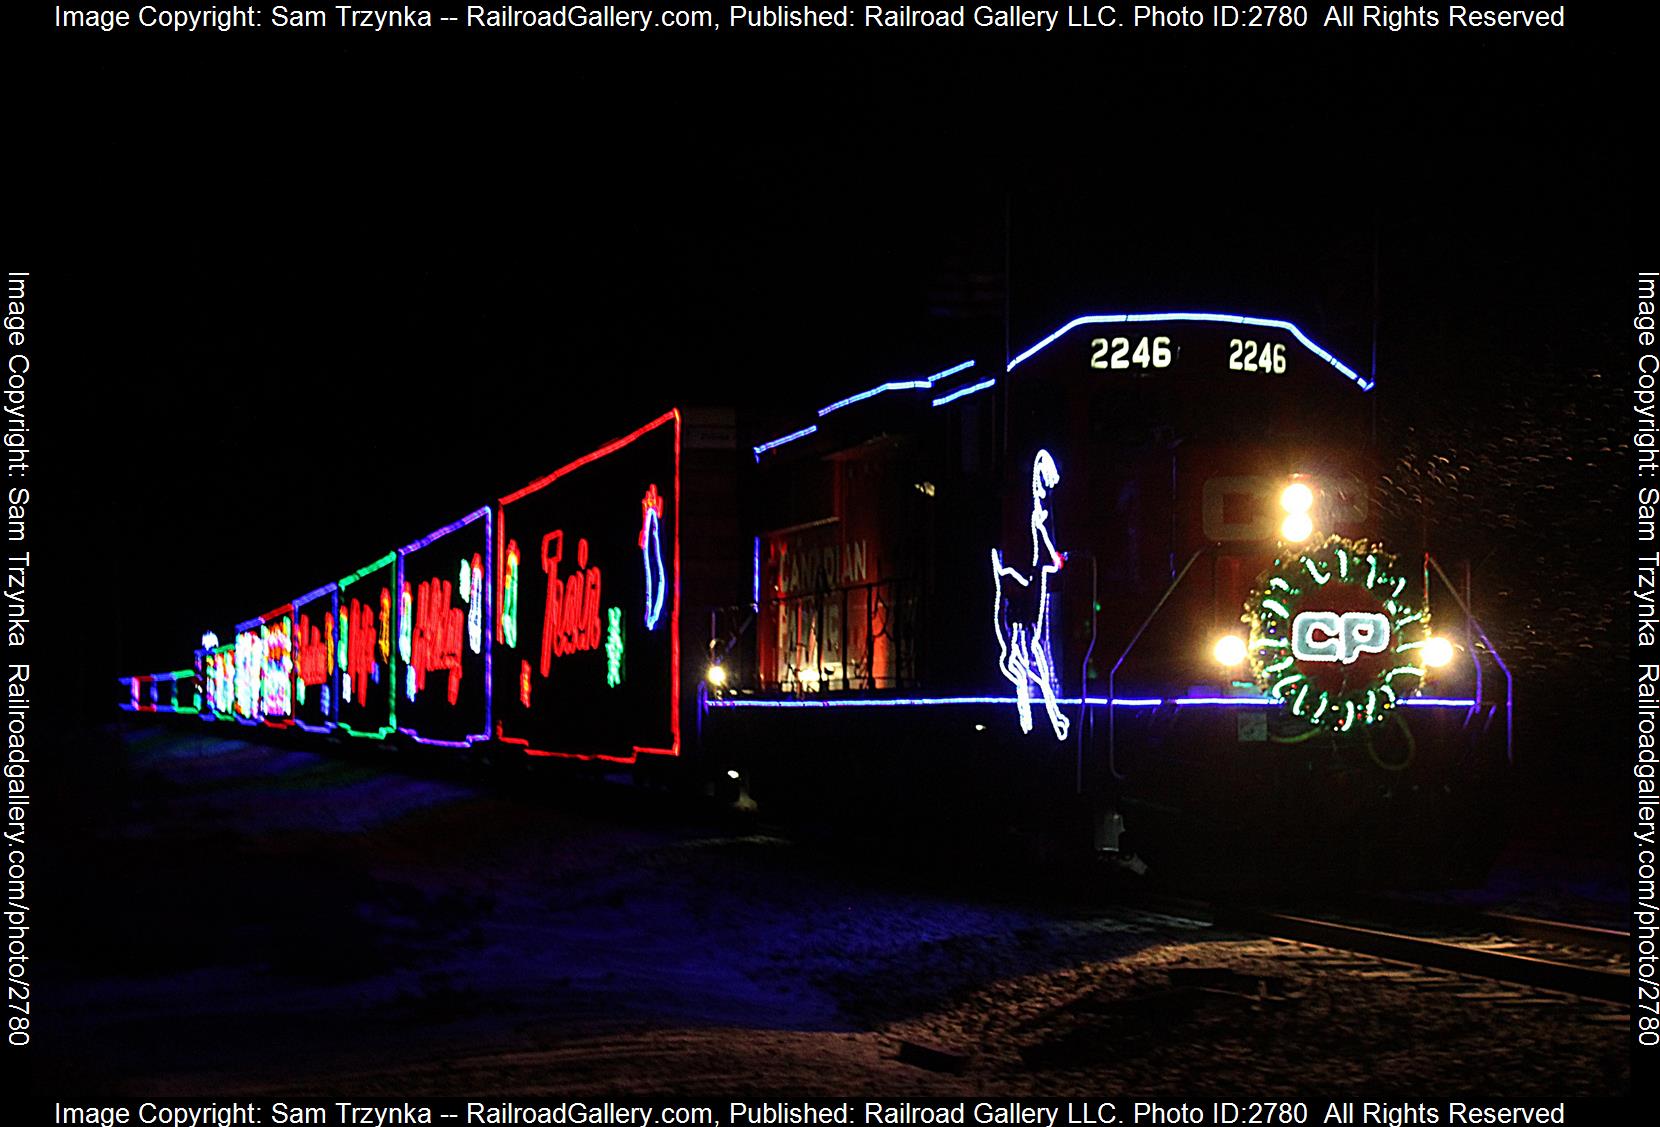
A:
[1127,587]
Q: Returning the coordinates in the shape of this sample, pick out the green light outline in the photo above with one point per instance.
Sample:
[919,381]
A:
[391,660]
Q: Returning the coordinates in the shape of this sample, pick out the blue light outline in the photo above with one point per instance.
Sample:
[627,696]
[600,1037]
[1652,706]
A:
[961,392]
[1218,318]
[470,739]
[777,442]
[897,385]
[924,384]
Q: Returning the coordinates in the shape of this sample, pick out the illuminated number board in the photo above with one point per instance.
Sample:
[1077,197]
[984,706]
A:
[364,655]
[587,654]
[1163,345]
[1247,351]
[1121,353]
[316,672]
[444,640]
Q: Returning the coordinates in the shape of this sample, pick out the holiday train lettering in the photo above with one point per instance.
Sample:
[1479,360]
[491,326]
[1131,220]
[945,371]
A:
[436,646]
[570,616]
[314,654]
[362,642]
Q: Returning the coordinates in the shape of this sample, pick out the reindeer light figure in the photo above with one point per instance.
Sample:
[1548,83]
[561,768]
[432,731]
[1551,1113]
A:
[1020,619]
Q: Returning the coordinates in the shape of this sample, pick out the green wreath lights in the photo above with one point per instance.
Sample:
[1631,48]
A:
[1333,636]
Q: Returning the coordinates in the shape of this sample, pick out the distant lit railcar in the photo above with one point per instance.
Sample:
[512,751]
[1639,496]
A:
[365,657]
[444,638]
[215,667]
[316,616]
[161,692]
[264,662]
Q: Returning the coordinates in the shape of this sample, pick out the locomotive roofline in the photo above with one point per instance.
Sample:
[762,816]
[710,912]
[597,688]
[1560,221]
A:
[1360,381]
[929,383]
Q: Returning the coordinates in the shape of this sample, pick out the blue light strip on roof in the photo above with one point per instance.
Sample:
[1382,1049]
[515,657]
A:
[962,391]
[446,530]
[898,385]
[895,385]
[951,371]
[1120,702]
[777,442]
[317,594]
[1222,318]
[261,620]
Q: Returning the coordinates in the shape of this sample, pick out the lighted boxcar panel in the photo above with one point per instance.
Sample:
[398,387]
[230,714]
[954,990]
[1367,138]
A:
[365,657]
[587,658]
[444,633]
[316,670]
[265,669]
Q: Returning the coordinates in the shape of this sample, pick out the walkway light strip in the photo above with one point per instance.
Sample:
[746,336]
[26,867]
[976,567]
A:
[1218,318]
[1119,702]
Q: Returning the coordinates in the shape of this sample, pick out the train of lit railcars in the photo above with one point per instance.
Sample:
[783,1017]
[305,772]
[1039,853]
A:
[1129,578]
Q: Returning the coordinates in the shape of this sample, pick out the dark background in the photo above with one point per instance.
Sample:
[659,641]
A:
[474,257]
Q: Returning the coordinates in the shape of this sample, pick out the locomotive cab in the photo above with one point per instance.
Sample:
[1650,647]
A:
[1135,579]
[1251,653]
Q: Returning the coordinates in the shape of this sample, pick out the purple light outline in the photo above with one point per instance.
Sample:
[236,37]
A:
[1120,702]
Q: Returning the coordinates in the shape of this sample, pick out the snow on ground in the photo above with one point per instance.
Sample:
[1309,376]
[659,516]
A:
[240,918]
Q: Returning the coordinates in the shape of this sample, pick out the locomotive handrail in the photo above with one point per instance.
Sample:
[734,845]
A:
[1112,677]
[1509,682]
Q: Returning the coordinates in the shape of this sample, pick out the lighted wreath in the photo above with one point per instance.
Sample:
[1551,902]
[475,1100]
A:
[1333,635]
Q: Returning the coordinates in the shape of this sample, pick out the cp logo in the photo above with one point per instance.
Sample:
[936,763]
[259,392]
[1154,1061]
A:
[1323,635]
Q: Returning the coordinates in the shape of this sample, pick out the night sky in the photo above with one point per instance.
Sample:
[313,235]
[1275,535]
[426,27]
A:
[477,258]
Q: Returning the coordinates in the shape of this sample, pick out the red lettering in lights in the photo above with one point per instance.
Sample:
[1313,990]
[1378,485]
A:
[362,640]
[438,631]
[315,650]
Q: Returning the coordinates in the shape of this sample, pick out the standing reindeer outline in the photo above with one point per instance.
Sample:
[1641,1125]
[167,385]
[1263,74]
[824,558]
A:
[1023,642]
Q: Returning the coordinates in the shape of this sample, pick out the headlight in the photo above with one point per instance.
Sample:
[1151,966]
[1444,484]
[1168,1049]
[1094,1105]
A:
[1437,652]
[1229,649]
[1297,498]
[1296,528]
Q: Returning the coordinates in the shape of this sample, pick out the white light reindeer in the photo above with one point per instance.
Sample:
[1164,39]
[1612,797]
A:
[1023,634]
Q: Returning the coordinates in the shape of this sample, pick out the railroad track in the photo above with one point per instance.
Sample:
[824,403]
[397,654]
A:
[1545,954]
